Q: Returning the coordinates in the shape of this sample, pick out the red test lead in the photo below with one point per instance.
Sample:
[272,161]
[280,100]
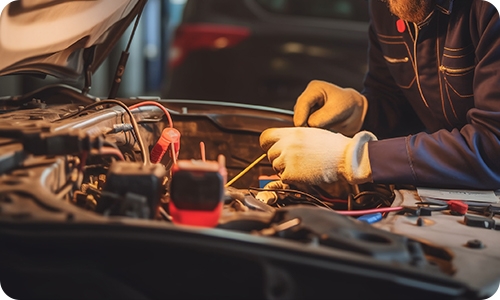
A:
[170,138]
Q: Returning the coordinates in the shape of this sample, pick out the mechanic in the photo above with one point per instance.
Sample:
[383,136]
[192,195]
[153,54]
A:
[429,113]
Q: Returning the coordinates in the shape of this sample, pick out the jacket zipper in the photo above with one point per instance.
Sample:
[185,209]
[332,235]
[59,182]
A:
[416,65]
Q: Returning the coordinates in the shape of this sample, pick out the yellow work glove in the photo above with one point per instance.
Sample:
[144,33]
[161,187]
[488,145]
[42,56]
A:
[326,105]
[315,156]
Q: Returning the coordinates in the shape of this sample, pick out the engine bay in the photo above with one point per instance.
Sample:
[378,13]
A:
[79,191]
[149,198]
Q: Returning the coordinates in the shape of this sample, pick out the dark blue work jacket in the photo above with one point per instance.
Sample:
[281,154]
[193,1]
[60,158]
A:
[434,96]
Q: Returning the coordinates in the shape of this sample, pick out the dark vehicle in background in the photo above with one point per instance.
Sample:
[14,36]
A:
[266,51]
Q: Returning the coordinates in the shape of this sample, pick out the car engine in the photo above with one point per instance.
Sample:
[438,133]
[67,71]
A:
[83,167]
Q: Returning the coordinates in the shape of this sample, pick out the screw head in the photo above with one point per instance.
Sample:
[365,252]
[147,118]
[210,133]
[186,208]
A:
[475,244]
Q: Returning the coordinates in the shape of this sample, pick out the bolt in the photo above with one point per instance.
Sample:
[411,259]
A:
[475,244]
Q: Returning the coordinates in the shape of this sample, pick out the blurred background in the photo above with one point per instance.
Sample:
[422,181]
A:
[247,51]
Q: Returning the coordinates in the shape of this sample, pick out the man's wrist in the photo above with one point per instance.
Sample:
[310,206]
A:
[356,168]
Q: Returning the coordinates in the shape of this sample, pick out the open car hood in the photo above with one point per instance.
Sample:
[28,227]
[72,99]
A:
[62,38]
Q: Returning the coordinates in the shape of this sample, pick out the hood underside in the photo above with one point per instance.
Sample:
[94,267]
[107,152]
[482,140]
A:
[61,37]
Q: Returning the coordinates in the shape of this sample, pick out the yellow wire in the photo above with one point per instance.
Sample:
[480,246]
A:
[245,170]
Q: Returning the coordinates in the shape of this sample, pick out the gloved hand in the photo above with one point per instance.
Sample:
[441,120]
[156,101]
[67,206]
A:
[339,109]
[315,156]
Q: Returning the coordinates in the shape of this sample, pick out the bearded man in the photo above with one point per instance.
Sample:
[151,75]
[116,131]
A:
[429,113]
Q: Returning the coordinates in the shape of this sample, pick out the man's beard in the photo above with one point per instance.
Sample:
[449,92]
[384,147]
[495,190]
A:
[411,10]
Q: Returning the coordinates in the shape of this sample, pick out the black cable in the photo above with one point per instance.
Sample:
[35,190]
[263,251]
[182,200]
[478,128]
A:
[122,63]
[378,198]
[144,152]
[136,24]
[374,199]
[317,201]
[46,92]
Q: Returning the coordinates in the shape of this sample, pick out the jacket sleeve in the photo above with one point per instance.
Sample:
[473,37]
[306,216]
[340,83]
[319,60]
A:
[467,157]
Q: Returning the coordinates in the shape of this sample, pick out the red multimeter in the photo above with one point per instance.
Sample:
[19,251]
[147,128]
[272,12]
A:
[196,192]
